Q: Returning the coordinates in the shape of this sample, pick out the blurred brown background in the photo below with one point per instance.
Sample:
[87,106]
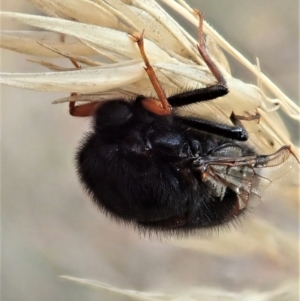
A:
[49,226]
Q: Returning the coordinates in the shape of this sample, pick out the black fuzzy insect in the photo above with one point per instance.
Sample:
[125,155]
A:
[143,168]
[146,165]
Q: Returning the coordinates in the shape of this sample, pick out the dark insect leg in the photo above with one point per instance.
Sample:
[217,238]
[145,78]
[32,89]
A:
[208,93]
[197,95]
[164,107]
[239,129]
[232,132]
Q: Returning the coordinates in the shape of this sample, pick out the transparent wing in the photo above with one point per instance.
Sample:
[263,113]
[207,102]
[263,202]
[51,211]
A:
[249,176]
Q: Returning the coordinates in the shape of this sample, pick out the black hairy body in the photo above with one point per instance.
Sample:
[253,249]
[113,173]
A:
[140,167]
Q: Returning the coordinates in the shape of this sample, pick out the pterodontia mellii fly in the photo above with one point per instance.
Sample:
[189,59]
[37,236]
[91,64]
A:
[146,165]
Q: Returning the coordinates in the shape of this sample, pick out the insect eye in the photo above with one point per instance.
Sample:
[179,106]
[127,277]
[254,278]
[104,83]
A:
[112,114]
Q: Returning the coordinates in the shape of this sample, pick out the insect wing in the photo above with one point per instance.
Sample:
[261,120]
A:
[249,176]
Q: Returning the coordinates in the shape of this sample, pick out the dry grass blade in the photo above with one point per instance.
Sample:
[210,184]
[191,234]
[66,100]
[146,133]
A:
[282,293]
